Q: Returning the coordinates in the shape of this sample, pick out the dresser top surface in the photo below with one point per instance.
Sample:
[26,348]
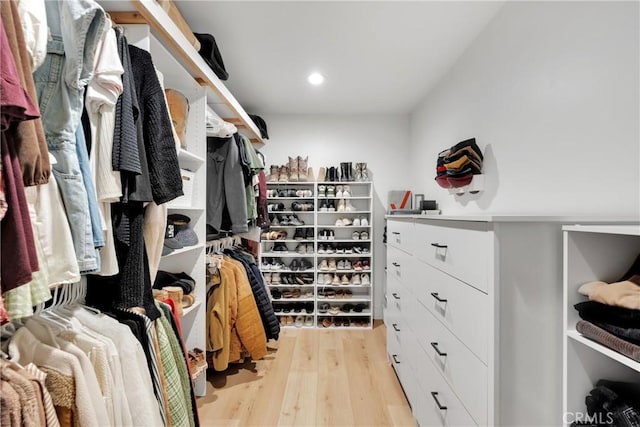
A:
[565,219]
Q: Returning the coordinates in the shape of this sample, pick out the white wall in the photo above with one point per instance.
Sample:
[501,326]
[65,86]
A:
[381,141]
[550,92]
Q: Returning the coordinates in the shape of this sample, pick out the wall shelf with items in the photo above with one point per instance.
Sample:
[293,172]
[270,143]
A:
[593,253]
[323,244]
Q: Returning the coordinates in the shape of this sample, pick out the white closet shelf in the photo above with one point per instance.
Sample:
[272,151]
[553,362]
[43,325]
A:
[340,286]
[344,255]
[286,254]
[297,285]
[290,212]
[342,226]
[292,198]
[293,313]
[612,354]
[151,12]
[350,212]
[631,230]
[191,308]
[289,241]
[345,198]
[184,250]
[322,242]
[292,226]
[189,161]
[286,300]
[287,271]
[344,300]
[341,314]
[291,183]
[345,271]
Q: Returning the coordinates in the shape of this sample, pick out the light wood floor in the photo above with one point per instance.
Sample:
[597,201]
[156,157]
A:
[311,377]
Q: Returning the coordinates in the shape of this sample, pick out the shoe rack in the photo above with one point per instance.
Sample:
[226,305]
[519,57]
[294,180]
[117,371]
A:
[317,256]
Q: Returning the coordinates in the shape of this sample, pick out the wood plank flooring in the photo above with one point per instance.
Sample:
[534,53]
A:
[311,377]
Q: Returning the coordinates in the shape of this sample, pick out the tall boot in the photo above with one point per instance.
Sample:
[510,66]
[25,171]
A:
[322,174]
[293,169]
[358,176]
[284,174]
[349,167]
[365,172]
[274,175]
[331,171]
[343,171]
[303,164]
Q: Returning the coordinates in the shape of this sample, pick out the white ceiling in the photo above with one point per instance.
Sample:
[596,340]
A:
[377,57]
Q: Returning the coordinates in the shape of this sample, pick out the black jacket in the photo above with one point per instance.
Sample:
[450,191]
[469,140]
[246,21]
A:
[269,320]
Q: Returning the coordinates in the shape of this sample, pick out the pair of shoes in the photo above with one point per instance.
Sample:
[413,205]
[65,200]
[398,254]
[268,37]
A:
[344,264]
[362,173]
[345,206]
[298,167]
[303,248]
[325,234]
[276,294]
[274,235]
[322,191]
[304,207]
[327,206]
[343,191]
[300,265]
[197,362]
[272,264]
[323,308]
[303,234]
[274,175]
[360,235]
[326,322]
[304,193]
[360,222]
[280,247]
[343,222]
[275,207]
[326,249]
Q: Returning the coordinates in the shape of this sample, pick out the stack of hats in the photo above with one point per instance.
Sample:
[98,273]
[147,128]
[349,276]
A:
[457,165]
[178,233]
[177,287]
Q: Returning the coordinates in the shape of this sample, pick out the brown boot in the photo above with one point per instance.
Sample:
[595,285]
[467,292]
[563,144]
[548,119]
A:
[322,174]
[179,112]
[302,168]
[294,169]
[275,173]
[284,174]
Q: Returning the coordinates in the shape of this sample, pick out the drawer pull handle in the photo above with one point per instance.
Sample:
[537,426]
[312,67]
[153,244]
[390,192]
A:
[395,264]
[395,327]
[437,297]
[434,394]
[397,233]
[435,347]
[438,245]
[395,295]
[395,358]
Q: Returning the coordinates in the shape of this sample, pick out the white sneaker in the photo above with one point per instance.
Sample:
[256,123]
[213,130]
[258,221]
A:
[341,205]
[346,191]
[320,279]
[341,265]
[339,191]
[347,264]
[365,280]
[364,236]
[355,280]
[339,222]
[364,222]
[356,222]
[355,235]
[346,222]
[349,207]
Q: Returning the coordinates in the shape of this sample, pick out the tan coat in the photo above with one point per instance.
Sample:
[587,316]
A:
[233,320]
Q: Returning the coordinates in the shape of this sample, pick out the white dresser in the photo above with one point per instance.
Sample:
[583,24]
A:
[473,310]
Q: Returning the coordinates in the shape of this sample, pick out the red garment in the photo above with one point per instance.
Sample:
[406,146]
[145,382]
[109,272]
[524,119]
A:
[16,104]
[18,258]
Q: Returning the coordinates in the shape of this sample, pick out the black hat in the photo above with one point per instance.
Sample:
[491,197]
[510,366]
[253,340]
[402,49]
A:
[211,54]
[261,124]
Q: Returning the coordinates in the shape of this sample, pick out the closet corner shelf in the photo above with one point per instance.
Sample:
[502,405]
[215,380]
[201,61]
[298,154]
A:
[290,182]
[184,250]
[151,12]
[191,308]
[627,361]
[184,208]
[350,212]
[367,255]
[632,230]
[286,254]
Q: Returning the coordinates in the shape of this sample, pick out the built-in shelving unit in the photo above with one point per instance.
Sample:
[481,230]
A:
[593,253]
[158,28]
[322,223]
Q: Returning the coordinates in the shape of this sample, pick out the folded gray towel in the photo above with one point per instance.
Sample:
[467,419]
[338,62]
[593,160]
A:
[603,337]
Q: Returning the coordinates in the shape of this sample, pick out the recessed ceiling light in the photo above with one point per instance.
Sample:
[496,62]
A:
[315,79]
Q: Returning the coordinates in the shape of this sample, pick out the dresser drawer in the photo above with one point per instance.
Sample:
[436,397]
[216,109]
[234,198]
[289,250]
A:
[462,370]
[465,251]
[463,310]
[400,235]
[433,395]
[398,264]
